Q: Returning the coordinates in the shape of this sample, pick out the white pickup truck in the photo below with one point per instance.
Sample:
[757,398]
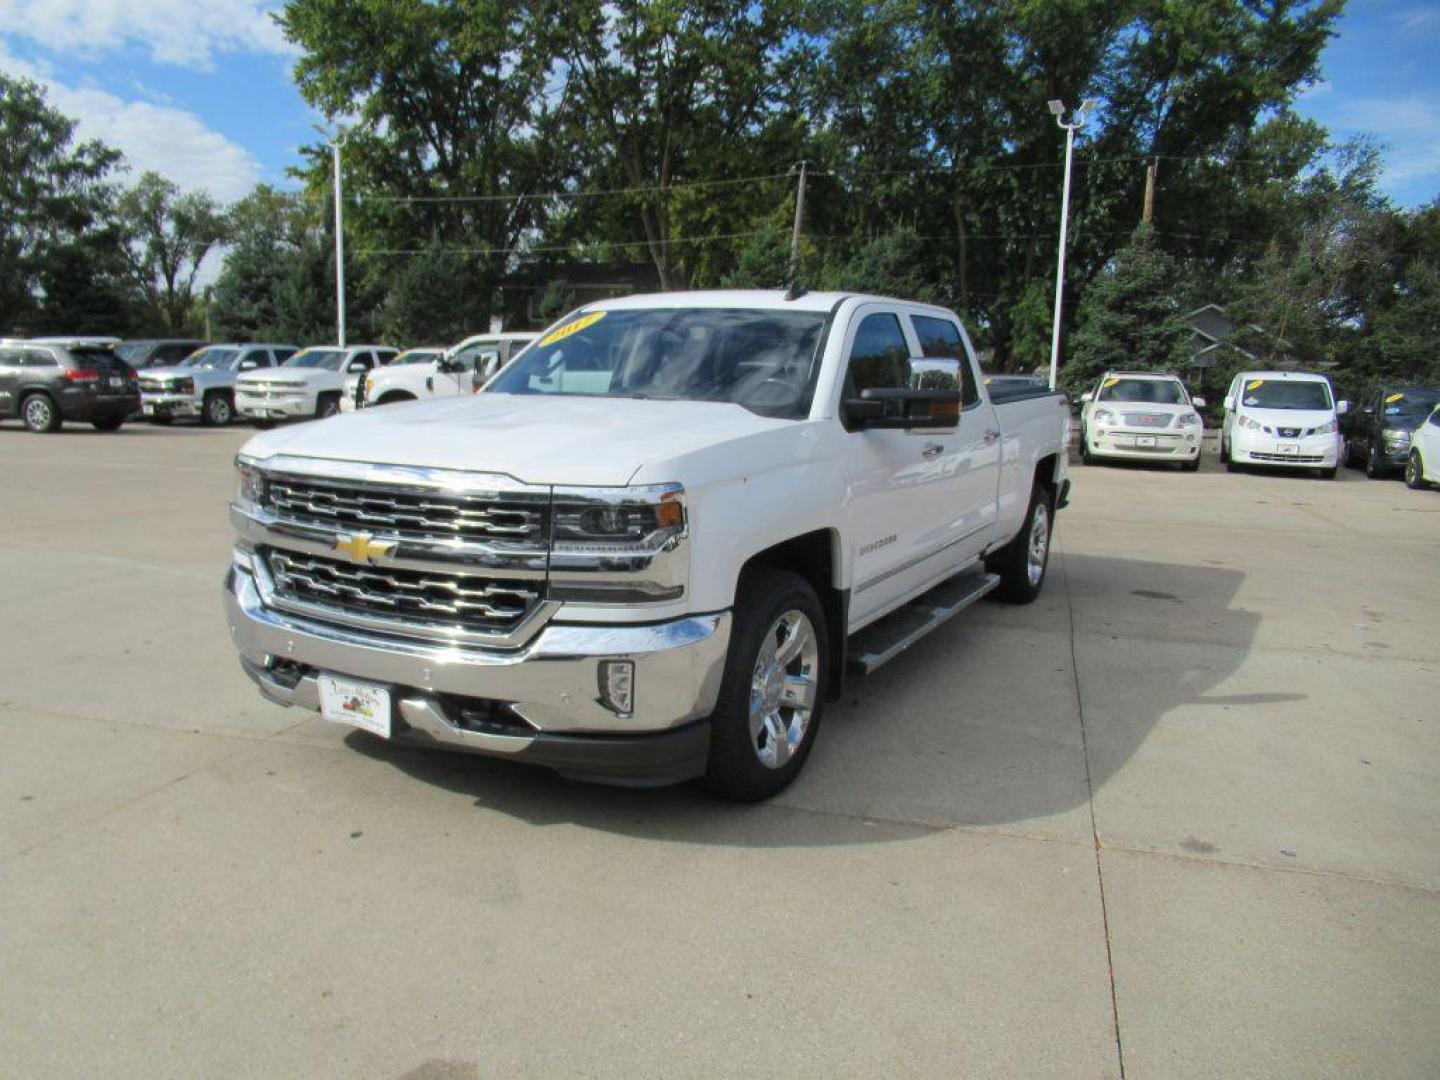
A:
[460,371]
[311,384]
[649,549]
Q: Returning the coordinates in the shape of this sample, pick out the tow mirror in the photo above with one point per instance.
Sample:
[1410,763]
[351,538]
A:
[356,366]
[1229,403]
[1342,407]
[1198,402]
[905,409]
[248,365]
[1086,398]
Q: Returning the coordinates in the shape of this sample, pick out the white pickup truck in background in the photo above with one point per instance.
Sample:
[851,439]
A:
[650,548]
[462,370]
[310,385]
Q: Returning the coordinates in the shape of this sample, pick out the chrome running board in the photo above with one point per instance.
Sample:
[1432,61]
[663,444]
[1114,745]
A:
[882,641]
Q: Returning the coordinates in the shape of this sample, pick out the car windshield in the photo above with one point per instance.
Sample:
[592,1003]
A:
[1411,406]
[1146,391]
[1298,394]
[761,360]
[211,358]
[416,356]
[330,359]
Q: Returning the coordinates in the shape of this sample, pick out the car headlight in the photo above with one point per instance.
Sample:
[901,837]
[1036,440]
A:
[185,386]
[1188,420]
[1248,422]
[251,487]
[619,545]
[1104,416]
[1396,436]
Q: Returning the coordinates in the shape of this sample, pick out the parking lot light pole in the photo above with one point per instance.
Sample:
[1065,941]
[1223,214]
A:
[1058,109]
[336,141]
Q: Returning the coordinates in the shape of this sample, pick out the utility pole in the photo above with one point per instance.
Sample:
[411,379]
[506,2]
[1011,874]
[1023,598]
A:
[1148,214]
[795,234]
[336,141]
[1057,108]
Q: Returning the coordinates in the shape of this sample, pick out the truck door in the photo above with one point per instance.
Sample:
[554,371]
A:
[902,484]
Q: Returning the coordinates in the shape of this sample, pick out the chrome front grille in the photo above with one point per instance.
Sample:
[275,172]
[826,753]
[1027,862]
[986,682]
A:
[513,524]
[1143,419]
[433,599]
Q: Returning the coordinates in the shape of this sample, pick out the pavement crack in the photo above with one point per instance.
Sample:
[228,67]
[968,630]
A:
[1094,829]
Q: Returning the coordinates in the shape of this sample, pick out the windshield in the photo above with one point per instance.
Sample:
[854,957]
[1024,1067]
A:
[330,359]
[1298,394]
[1146,391]
[1410,406]
[416,356]
[761,360]
[211,358]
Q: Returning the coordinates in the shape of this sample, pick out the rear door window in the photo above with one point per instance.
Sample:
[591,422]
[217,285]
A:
[40,358]
[941,338]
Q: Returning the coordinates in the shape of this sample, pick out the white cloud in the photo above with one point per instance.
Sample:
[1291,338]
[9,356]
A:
[187,33]
[1409,128]
[1417,19]
[173,142]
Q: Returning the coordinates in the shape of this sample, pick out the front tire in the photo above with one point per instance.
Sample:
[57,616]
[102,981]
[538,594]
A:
[327,406]
[776,670]
[40,414]
[1086,457]
[1326,474]
[1414,471]
[1022,563]
[1193,465]
[1374,467]
[217,411]
[1228,453]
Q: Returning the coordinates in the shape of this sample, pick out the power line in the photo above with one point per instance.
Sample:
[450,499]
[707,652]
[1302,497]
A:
[546,195]
[562,247]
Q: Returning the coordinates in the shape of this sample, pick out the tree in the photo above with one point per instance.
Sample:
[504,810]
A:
[1131,316]
[268,228]
[170,235]
[57,224]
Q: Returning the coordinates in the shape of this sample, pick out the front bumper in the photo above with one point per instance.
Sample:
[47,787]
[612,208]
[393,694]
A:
[1163,444]
[1308,452]
[546,693]
[169,405]
[272,407]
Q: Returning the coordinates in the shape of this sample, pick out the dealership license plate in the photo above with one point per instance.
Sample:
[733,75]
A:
[116,382]
[148,408]
[1289,449]
[1144,440]
[358,704]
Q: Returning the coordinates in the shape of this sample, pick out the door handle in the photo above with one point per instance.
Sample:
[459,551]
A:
[931,449]
[992,435]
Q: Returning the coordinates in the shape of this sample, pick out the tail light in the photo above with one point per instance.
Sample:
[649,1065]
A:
[81,375]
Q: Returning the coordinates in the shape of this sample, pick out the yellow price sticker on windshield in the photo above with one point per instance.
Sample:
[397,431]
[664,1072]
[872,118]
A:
[1393,398]
[572,328]
[1255,384]
[1111,382]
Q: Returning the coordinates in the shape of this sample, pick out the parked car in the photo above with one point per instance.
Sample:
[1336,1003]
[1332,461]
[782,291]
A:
[462,370]
[1377,432]
[203,385]
[1141,416]
[354,397]
[44,384]
[649,550]
[311,384]
[156,352]
[1287,419]
[1422,464]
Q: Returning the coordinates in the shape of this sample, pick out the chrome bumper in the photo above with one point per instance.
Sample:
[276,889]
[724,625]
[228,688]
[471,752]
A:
[170,404]
[552,682]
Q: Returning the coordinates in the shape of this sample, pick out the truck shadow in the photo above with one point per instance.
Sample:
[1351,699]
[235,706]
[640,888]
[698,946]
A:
[977,725]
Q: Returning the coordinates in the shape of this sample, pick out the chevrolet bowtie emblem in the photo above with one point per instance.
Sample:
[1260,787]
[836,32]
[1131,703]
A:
[363,548]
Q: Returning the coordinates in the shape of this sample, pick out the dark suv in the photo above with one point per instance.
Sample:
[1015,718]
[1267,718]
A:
[44,385]
[1378,432]
[156,352]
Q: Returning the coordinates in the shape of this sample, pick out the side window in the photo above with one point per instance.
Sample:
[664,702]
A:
[941,338]
[366,357]
[281,355]
[259,357]
[879,355]
[386,356]
[40,358]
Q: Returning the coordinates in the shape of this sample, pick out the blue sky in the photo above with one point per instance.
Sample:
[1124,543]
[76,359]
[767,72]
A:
[201,91]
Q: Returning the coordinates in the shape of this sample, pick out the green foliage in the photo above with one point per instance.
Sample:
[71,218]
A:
[434,298]
[268,230]
[1131,317]
[171,233]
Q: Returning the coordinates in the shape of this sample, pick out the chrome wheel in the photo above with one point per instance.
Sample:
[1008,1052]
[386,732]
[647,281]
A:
[39,413]
[783,689]
[1038,545]
[217,411]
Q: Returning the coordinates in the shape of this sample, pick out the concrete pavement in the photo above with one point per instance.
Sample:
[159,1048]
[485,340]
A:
[1181,816]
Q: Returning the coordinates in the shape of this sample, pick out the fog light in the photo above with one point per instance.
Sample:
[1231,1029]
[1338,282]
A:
[617,686]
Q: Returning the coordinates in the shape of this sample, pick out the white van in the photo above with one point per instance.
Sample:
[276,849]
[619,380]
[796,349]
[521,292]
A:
[1282,418]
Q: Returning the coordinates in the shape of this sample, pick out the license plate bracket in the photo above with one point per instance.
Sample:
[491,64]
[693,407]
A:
[1289,449]
[356,703]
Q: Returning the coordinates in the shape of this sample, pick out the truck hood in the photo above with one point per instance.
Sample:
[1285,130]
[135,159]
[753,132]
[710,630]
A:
[302,376]
[202,376]
[534,438]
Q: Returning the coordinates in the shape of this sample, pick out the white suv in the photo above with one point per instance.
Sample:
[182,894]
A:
[1140,415]
[310,384]
[1282,418]
[461,371]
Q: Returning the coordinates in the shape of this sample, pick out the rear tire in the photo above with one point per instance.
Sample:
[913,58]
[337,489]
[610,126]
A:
[110,423]
[40,413]
[1415,472]
[761,731]
[217,411]
[1022,563]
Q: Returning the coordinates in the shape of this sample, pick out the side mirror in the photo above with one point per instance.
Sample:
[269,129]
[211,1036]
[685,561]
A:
[918,410]
[1229,403]
[248,365]
[1369,410]
[1341,408]
[357,366]
[1198,402]
[1087,397]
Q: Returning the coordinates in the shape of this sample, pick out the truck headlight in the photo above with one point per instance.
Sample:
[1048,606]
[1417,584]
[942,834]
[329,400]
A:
[251,481]
[619,545]
[185,386]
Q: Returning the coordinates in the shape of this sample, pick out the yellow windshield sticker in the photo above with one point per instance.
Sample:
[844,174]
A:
[572,328]
[1254,384]
[1111,382]
[1393,398]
